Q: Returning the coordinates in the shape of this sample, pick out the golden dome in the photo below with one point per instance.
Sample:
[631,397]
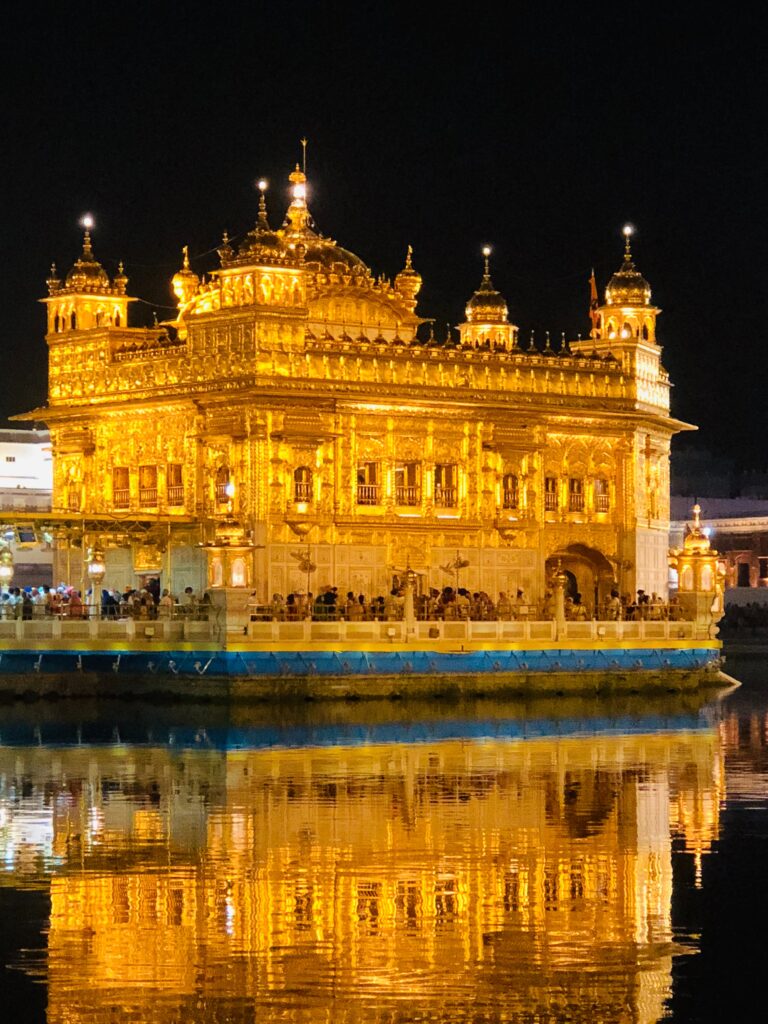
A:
[696,541]
[408,281]
[628,287]
[87,274]
[53,280]
[120,280]
[487,306]
[185,281]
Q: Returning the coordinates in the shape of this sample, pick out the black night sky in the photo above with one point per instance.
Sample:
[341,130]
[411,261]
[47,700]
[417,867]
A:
[540,129]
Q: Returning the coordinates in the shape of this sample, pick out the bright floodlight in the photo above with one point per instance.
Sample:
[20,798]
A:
[261,184]
[87,221]
[628,230]
[486,250]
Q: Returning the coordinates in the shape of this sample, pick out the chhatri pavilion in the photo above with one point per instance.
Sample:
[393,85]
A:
[293,413]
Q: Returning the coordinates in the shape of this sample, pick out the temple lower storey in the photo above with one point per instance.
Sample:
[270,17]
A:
[288,672]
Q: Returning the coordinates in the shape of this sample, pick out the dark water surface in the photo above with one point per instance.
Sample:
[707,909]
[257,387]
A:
[559,861]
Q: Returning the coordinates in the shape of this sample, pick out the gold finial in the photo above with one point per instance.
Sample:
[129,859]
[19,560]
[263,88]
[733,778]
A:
[696,511]
[627,231]
[487,257]
[87,222]
[408,258]
[262,185]
[185,252]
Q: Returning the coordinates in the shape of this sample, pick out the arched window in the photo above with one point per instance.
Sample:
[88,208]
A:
[302,484]
[217,573]
[550,494]
[117,319]
[602,498]
[645,332]
[446,480]
[686,578]
[223,482]
[706,578]
[626,331]
[575,494]
[511,495]
[73,321]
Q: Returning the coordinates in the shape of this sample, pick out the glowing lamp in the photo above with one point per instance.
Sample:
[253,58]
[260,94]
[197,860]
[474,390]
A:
[6,567]
[486,250]
[628,230]
[229,490]
[300,191]
[261,184]
[87,221]
[96,565]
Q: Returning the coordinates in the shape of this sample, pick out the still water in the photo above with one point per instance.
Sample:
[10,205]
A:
[565,861]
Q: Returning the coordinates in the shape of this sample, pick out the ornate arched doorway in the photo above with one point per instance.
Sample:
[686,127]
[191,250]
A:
[593,573]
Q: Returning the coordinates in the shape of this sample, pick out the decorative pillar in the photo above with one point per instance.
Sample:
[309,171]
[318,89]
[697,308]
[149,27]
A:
[559,583]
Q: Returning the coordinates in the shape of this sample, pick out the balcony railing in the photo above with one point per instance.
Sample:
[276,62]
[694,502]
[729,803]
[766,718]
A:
[510,499]
[576,502]
[367,494]
[602,503]
[141,633]
[121,497]
[302,491]
[445,497]
[408,495]
[148,496]
[550,501]
[221,493]
[176,494]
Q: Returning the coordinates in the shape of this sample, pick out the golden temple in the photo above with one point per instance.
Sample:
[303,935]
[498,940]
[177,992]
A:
[297,400]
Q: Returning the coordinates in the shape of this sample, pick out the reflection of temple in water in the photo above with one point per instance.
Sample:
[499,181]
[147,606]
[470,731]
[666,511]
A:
[454,881]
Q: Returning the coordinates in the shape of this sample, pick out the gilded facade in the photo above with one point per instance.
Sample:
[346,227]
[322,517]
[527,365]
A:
[297,401]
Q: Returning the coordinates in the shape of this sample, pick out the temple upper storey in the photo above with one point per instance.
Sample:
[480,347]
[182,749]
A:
[290,302]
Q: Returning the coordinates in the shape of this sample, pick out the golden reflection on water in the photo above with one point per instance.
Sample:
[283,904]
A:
[453,881]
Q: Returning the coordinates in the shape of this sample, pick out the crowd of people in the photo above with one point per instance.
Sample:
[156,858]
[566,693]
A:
[329,604]
[67,602]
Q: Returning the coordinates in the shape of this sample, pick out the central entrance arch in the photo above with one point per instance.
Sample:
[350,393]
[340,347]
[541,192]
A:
[589,573]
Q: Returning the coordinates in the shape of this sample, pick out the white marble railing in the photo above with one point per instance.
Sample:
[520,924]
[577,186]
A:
[352,633]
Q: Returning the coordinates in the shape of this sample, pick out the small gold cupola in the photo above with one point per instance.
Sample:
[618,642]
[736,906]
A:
[628,287]
[185,282]
[487,323]
[87,274]
[487,305]
[408,281]
[86,299]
